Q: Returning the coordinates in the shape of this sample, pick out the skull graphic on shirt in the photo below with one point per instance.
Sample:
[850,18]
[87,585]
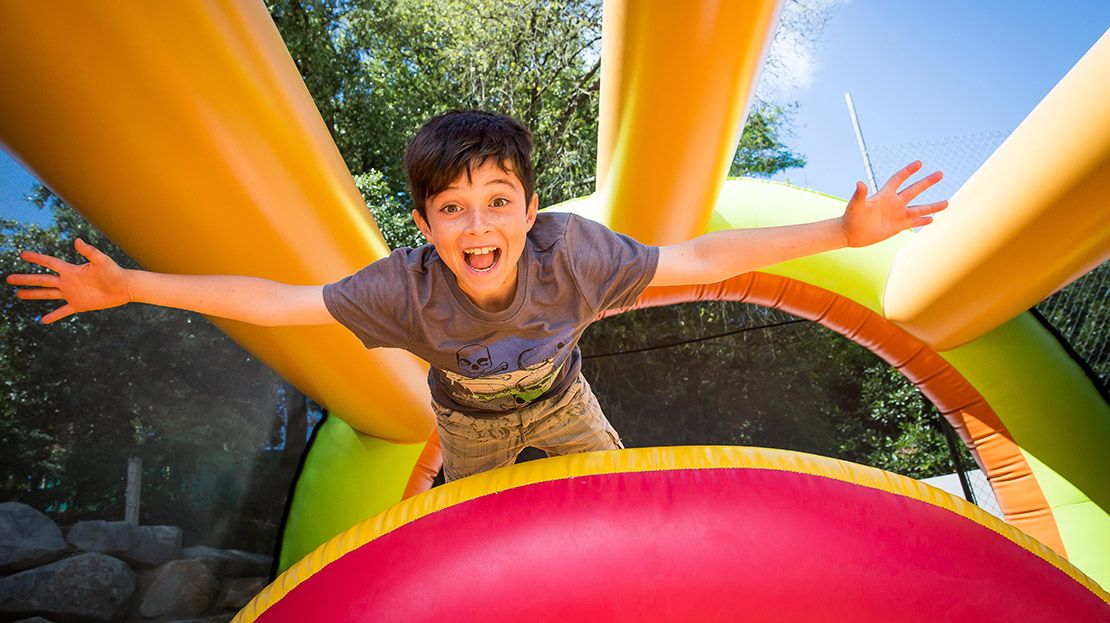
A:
[475,361]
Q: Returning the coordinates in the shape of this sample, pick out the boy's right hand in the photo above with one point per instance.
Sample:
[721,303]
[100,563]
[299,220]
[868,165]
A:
[99,284]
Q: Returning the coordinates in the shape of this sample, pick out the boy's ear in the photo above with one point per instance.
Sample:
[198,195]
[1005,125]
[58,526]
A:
[533,207]
[422,225]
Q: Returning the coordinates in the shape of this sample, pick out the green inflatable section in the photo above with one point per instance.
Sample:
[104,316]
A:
[1043,397]
[346,478]
[1062,424]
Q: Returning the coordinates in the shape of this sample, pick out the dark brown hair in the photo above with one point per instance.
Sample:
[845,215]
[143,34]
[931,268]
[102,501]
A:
[450,144]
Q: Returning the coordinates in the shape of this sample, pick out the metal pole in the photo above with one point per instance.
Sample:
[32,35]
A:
[953,448]
[862,145]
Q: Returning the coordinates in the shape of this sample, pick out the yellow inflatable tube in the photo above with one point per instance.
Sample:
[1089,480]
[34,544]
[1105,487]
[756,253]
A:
[676,83]
[1032,219]
[183,131]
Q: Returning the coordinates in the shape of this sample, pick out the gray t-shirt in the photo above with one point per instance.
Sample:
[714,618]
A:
[571,270]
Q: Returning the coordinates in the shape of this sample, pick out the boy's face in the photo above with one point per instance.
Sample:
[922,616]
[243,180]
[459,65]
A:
[478,227]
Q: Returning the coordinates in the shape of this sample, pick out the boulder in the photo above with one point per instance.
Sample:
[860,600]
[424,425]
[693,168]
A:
[99,536]
[153,546]
[28,538]
[230,563]
[143,579]
[181,588]
[88,587]
[237,592]
[142,546]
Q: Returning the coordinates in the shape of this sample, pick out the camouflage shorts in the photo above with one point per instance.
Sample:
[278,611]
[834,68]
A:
[566,424]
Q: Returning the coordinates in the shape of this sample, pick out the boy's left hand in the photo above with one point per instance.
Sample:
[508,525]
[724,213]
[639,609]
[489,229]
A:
[868,220]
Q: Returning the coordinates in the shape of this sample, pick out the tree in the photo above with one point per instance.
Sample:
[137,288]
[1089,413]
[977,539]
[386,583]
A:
[732,373]
[402,61]
[405,61]
[762,151]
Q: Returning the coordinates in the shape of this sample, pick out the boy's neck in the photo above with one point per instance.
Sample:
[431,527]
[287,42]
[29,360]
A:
[495,302]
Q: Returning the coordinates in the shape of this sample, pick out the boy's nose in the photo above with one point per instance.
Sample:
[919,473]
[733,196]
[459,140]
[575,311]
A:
[477,223]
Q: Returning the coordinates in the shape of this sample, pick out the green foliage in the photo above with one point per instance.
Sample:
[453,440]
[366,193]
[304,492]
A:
[794,385]
[762,151]
[388,210]
[379,69]
[901,430]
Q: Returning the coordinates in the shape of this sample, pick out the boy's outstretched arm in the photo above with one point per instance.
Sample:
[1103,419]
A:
[719,255]
[101,283]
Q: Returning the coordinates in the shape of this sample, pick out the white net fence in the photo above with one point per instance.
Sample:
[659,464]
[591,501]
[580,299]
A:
[959,157]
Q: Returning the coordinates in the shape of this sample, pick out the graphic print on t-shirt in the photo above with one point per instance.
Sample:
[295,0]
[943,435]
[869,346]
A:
[475,360]
[485,380]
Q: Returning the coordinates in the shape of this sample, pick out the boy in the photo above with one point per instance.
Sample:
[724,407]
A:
[497,300]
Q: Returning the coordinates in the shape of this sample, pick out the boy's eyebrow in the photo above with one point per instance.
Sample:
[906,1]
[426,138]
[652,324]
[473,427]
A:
[500,180]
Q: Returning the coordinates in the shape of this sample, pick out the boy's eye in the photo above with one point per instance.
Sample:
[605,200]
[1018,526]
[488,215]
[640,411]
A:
[500,202]
[450,208]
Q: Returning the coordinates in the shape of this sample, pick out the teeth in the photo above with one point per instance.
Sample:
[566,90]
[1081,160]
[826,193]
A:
[480,250]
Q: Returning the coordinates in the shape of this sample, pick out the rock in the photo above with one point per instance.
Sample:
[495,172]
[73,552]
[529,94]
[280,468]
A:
[181,588]
[102,537]
[238,592]
[88,587]
[155,545]
[144,578]
[34,620]
[142,546]
[28,538]
[230,563]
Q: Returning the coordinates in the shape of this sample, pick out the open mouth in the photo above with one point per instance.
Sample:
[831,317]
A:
[482,259]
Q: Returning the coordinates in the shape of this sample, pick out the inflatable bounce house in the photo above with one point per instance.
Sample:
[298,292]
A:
[689,533]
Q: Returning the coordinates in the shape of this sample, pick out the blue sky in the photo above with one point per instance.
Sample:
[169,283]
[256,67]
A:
[931,71]
[918,72]
[14,184]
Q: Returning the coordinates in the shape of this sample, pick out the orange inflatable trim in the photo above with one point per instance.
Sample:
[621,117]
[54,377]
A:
[1019,495]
